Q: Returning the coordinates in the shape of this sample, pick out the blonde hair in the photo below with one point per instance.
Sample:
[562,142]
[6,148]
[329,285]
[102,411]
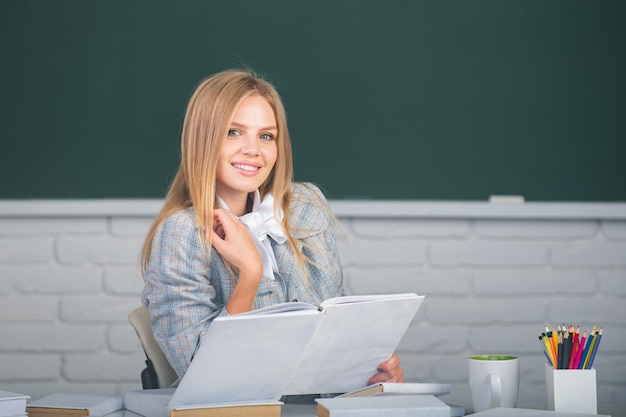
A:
[207,120]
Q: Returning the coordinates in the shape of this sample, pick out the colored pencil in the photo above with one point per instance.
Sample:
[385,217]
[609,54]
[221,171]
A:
[548,340]
[548,333]
[592,344]
[560,352]
[595,349]
[583,358]
[575,342]
[567,348]
[547,349]
[581,348]
[555,344]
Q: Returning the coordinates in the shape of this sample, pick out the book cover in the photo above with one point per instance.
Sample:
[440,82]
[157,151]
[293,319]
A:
[377,406]
[74,404]
[268,408]
[12,403]
[149,402]
[527,412]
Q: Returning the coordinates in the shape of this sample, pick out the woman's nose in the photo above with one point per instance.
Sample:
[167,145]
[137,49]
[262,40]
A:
[250,146]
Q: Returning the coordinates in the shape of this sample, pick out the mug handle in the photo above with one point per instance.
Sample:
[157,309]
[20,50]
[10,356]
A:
[496,390]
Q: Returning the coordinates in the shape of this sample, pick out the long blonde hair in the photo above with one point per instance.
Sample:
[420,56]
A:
[207,120]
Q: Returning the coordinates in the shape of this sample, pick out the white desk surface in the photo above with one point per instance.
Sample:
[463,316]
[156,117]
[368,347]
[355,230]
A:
[310,410]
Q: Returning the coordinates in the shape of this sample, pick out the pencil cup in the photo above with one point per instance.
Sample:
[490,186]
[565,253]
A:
[572,390]
[493,381]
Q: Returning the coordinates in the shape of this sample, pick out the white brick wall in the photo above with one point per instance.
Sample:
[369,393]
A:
[493,276]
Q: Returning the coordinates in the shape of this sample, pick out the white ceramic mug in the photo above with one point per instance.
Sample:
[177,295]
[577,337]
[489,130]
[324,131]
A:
[494,381]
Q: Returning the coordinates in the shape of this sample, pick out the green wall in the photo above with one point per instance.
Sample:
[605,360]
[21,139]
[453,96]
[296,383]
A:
[386,99]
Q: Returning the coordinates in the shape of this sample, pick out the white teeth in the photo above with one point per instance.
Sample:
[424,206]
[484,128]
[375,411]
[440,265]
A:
[245,167]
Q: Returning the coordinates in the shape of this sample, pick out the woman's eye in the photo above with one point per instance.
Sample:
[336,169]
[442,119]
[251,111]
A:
[267,136]
[233,132]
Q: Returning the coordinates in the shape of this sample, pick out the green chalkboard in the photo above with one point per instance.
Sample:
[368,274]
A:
[386,99]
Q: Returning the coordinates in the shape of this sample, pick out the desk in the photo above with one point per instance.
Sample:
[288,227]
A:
[288,410]
[310,410]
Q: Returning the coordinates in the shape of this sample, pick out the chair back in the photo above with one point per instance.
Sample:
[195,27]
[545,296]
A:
[139,318]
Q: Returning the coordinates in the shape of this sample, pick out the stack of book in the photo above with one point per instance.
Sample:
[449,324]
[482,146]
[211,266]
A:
[526,412]
[404,405]
[155,403]
[391,388]
[74,405]
[12,404]
[391,399]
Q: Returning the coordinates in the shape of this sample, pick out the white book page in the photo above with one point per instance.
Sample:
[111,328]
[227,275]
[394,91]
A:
[279,308]
[349,299]
[229,404]
[352,340]
[246,358]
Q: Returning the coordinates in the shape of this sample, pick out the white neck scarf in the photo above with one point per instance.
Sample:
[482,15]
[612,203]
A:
[261,224]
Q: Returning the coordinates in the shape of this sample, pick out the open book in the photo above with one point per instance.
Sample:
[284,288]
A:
[296,348]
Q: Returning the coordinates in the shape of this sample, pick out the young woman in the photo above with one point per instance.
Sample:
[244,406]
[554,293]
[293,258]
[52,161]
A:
[235,232]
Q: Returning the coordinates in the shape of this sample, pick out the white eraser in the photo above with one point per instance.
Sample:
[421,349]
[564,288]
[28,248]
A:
[506,199]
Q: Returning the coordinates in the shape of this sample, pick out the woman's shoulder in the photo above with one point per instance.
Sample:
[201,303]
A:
[308,208]
[306,193]
[185,215]
[180,222]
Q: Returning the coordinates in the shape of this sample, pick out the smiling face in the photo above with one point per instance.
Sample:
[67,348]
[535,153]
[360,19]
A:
[249,152]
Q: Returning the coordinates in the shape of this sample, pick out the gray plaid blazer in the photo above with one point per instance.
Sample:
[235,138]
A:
[185,289]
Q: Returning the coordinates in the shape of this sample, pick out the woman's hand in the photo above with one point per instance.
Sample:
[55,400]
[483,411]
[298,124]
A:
[232,240]
[388,371]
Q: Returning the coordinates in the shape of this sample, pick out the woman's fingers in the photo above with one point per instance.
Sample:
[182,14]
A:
[390,364]
[232,240]
[388,371]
